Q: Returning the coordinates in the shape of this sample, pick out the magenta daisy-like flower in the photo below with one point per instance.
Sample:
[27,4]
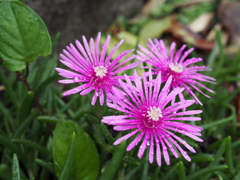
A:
[90,66]
[150,116]
[179,67]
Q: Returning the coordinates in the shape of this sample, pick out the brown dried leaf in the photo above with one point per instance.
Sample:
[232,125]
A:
[201,23]
[184,34]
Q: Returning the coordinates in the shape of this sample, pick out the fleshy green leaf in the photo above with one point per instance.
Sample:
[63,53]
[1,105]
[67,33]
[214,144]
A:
[15,168]
[206,170]
[85,163]
[23,36]
[181,171]
[111,168]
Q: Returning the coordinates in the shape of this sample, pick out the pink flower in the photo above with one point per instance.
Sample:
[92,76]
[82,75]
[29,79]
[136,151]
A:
[177,66]
[93,68]
[148,113]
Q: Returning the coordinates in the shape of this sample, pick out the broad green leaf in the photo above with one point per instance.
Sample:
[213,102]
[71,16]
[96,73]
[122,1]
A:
[23,36]
[65,174]
[85,163]
[15,168]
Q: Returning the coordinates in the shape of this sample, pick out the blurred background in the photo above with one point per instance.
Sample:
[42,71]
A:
[193,22]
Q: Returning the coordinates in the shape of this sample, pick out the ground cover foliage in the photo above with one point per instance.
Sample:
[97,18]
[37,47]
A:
[44,135]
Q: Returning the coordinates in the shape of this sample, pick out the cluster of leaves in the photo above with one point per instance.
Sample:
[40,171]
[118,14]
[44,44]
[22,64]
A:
[81,146]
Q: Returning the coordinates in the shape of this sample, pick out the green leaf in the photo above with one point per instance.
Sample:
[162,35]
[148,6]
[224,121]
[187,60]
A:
[170,172]
[181,171]
[65,174]
[22,128]
[202,172]
[107,134]
[154,28]
[8,144]
[131,173]
[26,106]
[9,90]
[155,175]
[15,168]
[32,145]
[237,174]
[85,163]
[111,168]
[214,163]
[97,133]
[51,119]
[144,173]
[47,165]
[23,36]
[228,154]
[131,161]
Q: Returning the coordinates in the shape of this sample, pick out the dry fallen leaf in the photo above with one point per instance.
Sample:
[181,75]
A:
[201,23]
[183,33]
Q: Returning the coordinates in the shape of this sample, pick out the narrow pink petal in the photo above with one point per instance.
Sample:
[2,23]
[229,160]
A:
[192,112]
[186,53]
[171,95]
[165,90]
[143,145]
[113,51]
[191,61]
[124,128]
[151,151]
[165,152]
[104,50]
[158,151]
[94,99]
[81,49]
[76,90]
[87,49]
[86,91]
[178,54]
[101,97]
[174,152]
[135,141]
[126,137]
[171,52]
[97,46]
[190,148]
